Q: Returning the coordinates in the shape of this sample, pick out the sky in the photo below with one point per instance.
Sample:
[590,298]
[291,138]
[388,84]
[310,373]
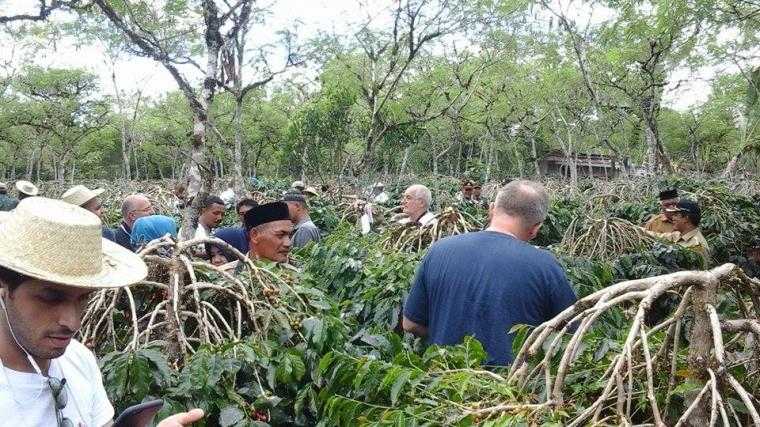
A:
[307,17]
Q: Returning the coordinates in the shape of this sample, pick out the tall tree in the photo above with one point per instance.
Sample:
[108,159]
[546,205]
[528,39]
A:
[161,33]
[380,59]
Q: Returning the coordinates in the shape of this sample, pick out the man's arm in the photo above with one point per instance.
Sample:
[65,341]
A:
[414,328]
[672,237]
[416,309]
[181,419]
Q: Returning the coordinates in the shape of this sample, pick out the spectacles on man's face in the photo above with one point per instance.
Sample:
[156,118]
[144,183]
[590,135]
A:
[61,398]
[147,209]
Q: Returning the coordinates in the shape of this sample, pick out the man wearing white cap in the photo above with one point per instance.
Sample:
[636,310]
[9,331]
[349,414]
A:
[7,202]
[83,197]
[52,258]
[26,189]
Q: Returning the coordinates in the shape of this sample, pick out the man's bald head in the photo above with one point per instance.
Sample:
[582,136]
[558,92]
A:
[135,206]
[525,201]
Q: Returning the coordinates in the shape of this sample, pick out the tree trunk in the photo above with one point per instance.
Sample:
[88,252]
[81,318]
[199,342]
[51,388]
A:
[199,174]
[137,165]
[700,347]
[404,160]
[651,142]
[534,153]
[732,164]
[30,165]
[238,183]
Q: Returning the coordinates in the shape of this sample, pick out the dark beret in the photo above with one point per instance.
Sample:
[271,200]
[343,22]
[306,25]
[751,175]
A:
[671,193]
[688,206]
[262,214]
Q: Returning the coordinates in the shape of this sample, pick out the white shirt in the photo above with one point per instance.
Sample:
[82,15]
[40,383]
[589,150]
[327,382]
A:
[26,398]
[381,198]
[427,219]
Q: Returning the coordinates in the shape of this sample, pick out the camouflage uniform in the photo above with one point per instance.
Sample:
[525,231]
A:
[659,224]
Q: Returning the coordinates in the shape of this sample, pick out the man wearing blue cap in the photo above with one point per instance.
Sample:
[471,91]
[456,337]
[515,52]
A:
[685,217]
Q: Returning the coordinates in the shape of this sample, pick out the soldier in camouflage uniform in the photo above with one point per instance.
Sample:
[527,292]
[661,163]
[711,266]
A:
[685,217]
[660,223]
[7,203]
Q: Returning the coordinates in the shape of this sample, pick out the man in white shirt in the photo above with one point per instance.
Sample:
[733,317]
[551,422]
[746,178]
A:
[211,215]
[378,194]
[52,257]
[415,204]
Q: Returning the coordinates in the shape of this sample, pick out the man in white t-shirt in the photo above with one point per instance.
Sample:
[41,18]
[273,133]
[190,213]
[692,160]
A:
[52,257]
[415,203]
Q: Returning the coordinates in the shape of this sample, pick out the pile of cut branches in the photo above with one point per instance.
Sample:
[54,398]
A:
[603,239]
[410,237]
[190,303]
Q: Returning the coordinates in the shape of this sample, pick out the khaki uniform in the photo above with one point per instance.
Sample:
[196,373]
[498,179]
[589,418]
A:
[659,224]
[693,240]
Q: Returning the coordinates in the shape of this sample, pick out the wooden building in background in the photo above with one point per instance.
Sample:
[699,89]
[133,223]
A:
[555,163]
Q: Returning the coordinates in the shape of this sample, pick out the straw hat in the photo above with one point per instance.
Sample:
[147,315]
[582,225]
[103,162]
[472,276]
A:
[27,188]
[310,191]
[58,242]
[79,195]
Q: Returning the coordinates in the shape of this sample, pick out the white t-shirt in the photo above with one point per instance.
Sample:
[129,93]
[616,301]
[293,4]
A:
[28,401]
[427,219]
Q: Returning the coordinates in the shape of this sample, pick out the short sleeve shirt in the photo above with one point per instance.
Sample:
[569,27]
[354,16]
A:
[659,224]
[26,399]
[305,231]
[482,284]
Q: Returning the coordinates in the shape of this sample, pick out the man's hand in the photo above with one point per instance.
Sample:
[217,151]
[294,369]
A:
[414,328]
[182,419]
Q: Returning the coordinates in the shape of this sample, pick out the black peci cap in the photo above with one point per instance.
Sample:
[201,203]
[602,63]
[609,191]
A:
[671,193]
[262,214]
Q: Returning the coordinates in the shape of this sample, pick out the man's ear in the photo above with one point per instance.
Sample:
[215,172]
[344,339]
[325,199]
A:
[253,235]
[534,230]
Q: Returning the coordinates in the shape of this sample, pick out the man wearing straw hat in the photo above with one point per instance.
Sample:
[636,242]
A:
[52,257]
[7,202]
[26,189]
[83,197]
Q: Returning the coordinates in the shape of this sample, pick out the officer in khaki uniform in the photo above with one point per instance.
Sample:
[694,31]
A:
[661,223]
[685,217]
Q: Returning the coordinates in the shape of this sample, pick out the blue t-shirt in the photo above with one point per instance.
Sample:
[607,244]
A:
[481,284]
[234,236]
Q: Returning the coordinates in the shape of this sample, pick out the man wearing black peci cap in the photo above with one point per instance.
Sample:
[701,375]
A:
[685,217]
[269,228]
[661,223]
[304,229]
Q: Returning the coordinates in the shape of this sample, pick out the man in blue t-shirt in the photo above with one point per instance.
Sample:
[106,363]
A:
[481,284]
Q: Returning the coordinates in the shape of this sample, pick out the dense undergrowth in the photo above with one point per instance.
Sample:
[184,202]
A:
[340,362]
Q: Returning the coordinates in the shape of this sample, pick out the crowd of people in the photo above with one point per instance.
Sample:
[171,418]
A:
[53,254]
